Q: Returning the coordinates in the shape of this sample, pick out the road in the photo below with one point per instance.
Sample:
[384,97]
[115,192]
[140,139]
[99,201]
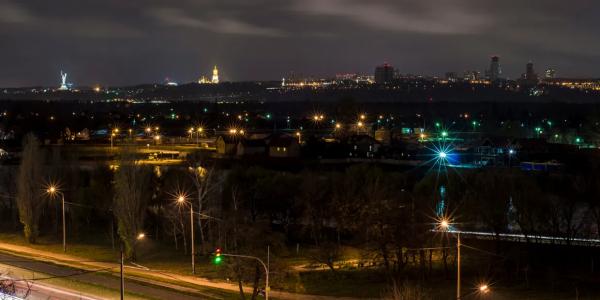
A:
[39,291]
[92,278]
[536,239]
[144,278]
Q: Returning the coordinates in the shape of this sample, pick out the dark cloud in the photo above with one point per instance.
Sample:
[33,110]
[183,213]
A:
[124,42]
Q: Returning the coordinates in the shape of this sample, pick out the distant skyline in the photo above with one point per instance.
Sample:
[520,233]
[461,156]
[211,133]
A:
[115,42]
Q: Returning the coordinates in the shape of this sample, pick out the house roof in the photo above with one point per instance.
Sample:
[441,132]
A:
[282,141]
[253,143]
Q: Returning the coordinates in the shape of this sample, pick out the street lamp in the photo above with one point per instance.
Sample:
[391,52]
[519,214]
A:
[511,153]
[138,238]
[444,225]
[52,191]
[182,200]
[483,288]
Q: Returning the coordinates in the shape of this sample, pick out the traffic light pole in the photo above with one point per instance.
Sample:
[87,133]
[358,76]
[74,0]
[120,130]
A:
[262,263]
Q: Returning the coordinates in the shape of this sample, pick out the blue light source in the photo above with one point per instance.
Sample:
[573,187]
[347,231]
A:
[443,154]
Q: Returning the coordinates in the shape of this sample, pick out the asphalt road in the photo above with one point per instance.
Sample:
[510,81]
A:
[97,279]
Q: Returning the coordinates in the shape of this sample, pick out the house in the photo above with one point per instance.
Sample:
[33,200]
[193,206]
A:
[251,147]
[362,146]
[284,147]
[226,145]
[492,151]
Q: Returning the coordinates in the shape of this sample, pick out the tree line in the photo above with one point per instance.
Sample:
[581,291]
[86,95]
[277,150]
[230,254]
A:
[388,215]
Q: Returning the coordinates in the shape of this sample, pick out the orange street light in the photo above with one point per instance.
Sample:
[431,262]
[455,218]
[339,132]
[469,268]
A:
[53,190]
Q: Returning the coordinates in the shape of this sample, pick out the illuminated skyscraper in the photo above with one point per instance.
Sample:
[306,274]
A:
[495,71]
[384,73]
[215,76]
[530,74]
[529,78]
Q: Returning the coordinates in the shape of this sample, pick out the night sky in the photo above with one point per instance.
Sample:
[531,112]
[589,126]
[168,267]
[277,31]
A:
[121,42]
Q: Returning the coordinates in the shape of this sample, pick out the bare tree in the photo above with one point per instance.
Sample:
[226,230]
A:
[29,187]
[205,180]
[132,192]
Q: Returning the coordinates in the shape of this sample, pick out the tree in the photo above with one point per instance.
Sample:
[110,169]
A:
[205,180]
[29,187]
[132,192]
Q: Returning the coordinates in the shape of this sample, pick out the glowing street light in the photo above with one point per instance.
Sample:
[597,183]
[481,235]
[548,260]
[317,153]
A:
[483,288]
[141,236]
[182,200]
[444,225]
[52,190]
[443,154]
[113,134]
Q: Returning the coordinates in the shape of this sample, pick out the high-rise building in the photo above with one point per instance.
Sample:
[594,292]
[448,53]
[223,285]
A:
[495,71]
[215,76]
[451,76]
[550,74]
[471,75]
[384,74]
[529,78]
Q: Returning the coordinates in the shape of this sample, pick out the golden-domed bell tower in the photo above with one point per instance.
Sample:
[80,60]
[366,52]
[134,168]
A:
[215,76]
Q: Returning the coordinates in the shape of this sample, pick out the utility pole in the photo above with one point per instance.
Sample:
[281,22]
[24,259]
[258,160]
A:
[64,227]
[458,266]
[192,238]
[122,277]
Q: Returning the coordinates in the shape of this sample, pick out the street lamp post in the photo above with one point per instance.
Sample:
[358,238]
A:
[139,237]
[262,263]
[445,225]
[112,136]
[52,190]
[181,199]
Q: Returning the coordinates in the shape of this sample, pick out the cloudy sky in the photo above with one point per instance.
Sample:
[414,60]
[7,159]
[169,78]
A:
[119,42]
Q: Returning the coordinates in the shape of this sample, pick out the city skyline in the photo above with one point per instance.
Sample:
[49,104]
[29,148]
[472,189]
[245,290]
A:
[112,43]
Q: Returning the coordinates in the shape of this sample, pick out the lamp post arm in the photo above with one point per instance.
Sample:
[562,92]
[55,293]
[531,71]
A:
[264,266]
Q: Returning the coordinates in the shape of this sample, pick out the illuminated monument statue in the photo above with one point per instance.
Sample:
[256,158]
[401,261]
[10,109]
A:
[215,76]
[63,85]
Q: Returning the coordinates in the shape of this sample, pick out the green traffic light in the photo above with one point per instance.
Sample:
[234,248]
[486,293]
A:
[217,260]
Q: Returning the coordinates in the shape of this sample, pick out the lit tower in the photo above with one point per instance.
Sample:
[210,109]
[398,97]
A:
[63,84]
[215,77]
[495,71]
